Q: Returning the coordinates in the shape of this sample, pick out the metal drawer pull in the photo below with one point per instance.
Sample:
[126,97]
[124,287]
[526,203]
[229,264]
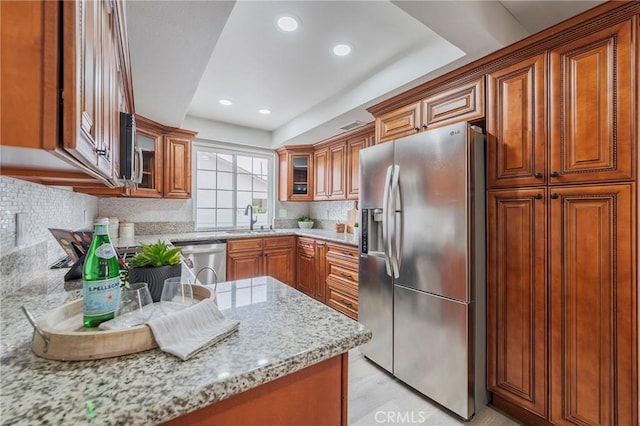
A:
[345,302]
[346,253]
[342,274]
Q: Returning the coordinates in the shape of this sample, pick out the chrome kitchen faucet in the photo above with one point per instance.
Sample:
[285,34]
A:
[248,209]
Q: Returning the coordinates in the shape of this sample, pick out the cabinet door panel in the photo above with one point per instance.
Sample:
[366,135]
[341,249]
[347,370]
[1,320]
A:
[177,163]
[280,264]
[399,123]
[353,165]
[516,297]
[306,268]
[592,106]
[337,170]
[320,170]
[516,127]
[462,103]
[244,265]
[593,306]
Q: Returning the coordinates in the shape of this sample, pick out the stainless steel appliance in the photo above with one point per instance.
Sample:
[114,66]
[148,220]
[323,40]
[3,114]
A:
[422,264]
[202,255]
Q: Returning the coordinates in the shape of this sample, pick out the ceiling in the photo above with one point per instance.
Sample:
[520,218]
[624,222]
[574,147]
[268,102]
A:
[187,55]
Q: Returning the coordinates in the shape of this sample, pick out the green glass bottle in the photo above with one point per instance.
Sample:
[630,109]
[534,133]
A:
[101,277]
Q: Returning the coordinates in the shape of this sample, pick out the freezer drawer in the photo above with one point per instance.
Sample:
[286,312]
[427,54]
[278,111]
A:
[431,348]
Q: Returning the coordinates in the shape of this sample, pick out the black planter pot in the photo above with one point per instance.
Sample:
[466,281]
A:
[154,277]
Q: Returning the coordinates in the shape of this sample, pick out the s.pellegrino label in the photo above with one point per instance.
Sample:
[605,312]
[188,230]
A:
[101,278]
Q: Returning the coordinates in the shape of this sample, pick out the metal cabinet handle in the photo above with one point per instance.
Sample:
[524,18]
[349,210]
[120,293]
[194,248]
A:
[537,175]
[344,302]
[346,253]
[554,174]
[424,126]
[538,196]
[554,195]
[342,274]
[417,129]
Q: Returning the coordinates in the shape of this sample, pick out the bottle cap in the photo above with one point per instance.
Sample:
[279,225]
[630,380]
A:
[101,221]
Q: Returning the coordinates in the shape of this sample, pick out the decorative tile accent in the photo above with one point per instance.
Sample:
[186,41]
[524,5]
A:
[146,210]
[43,207]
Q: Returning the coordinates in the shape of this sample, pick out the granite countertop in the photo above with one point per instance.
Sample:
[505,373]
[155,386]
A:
[323,234]
[281,331]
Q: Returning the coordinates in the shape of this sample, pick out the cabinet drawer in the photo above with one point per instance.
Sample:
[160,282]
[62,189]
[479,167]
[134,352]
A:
[342,302]
[307,244]
[277,242]
[462,103]
[244,245]
[343,255]
[340,273]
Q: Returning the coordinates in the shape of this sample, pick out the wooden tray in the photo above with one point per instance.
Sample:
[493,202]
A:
[69,340]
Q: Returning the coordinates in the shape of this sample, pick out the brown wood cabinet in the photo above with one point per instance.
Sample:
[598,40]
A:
[320,174]
[517,297]
[562,315]
[166,171]
[516,124]
[65,78]
[295,165]
[399,123]
[177,166]
[591,110]
[334,166]
[306,266]
[593,305]
[149,140]
[253,257]
[342,278]
[462,102]
[354,146]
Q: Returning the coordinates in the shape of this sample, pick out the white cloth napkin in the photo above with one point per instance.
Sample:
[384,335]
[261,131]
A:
[186,332]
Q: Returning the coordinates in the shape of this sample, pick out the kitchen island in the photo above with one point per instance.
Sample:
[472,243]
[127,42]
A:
[289,355]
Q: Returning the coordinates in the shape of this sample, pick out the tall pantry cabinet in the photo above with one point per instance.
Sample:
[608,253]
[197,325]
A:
[561,208]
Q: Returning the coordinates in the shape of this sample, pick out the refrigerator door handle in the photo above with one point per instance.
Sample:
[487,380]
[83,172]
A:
[395,251]
[385,219]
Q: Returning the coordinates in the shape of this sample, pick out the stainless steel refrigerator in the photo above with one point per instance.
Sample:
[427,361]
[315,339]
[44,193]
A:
[422,263]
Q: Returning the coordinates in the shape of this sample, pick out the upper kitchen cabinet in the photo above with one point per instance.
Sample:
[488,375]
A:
[592,110]
[295,165]
[354,146]
[321,174]
[516,124]
[590,114]
[459,101]
[177,165]
[65,79]
[166,163]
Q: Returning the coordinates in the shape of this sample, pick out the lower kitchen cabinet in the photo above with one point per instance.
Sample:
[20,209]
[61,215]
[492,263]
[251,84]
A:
[342,279]
[310,264]
[253,257]
[562,328]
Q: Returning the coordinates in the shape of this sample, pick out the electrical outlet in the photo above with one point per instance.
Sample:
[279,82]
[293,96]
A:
[21,229]
[283,213]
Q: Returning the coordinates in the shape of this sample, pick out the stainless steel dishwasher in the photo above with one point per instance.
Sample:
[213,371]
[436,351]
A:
[203,254]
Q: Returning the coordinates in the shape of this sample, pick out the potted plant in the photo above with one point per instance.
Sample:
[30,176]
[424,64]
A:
[305,222]
[154,264]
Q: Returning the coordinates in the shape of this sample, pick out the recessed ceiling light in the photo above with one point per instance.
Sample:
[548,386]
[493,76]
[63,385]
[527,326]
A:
[288,23]
[341,49]
[225,102]
[264,111]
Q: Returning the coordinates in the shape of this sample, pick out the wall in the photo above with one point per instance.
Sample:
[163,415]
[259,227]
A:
[43,207]
[150,216]
[325,214]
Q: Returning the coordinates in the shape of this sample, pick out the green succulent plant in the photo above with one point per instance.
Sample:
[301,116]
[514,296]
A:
[155,255]
[305,219]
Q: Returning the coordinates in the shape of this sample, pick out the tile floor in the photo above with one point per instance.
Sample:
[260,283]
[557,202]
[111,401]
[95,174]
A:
[376,398]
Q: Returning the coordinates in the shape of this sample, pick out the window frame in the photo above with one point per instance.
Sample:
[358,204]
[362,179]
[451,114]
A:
[219,148]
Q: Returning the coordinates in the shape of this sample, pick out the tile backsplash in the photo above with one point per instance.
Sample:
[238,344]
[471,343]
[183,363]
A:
[40,207]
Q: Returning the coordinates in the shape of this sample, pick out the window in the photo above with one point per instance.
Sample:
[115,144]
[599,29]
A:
[226,183]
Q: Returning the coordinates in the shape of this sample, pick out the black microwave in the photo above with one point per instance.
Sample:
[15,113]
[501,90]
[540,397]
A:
[130,153]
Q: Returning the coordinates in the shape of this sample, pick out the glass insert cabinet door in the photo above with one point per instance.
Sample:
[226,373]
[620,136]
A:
[151,145]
